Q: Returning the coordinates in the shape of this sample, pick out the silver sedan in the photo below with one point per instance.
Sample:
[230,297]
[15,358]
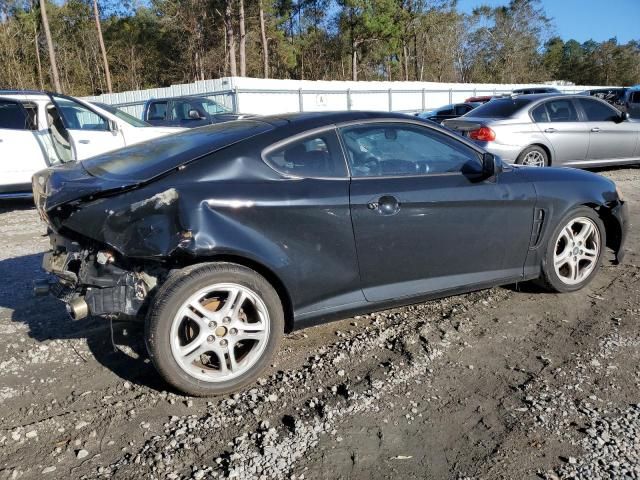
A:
[550,129]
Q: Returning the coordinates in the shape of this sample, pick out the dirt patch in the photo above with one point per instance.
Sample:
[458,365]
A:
[503,383]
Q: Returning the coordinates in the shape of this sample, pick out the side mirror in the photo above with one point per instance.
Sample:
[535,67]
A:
[194,114]
[491,165]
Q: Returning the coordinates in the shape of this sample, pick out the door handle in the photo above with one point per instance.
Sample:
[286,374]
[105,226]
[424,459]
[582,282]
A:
[385,205]
[550,130]
[595,129]
[84,142]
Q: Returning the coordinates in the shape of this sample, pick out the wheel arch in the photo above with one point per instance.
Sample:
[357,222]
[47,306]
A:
[544,147]
[266,272]
[612,227]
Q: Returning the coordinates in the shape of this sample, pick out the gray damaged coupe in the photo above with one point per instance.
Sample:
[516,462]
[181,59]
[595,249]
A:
[225,237]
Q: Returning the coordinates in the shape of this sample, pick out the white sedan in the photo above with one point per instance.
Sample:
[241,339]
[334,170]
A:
[38,130]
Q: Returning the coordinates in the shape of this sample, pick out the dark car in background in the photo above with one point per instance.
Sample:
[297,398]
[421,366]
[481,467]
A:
[454,110]
[224,237]
[534,90]
[613,96]
[187,112]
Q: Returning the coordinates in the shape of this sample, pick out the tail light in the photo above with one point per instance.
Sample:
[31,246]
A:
[484,134]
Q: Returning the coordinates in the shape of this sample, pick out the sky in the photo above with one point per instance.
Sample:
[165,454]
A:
[583,20]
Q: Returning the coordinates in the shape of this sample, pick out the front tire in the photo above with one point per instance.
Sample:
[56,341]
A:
[213,328]
[533,156]
[574,252]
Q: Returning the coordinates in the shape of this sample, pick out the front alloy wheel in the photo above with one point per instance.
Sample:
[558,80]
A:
[574,251]
[577,250]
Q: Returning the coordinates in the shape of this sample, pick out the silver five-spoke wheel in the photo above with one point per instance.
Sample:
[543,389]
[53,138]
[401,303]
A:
[534,159]
[577,250]
[220,332]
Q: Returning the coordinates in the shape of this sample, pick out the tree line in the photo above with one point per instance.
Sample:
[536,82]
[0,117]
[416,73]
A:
[84,47]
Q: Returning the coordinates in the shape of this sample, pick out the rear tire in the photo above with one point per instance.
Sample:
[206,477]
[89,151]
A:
[213,328]
[574,252]
[533,156]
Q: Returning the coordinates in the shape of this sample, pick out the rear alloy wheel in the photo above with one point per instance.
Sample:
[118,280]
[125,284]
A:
[213,328]
[574,254]
[533,157]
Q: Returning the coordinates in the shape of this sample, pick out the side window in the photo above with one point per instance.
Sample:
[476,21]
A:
[315,156]
[13,117]
[596,111]
[79,117]
[32,115]
[561,111]
[403,149]
[182,108]
[540,114]
[212,107]
[157,111]
[461,109]
[635,97]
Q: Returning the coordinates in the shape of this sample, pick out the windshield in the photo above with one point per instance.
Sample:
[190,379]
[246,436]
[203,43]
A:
[213,107]
[143,161]
[130,119]
[499,108]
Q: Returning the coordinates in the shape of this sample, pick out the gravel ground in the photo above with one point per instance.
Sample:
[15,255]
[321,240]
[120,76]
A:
[503,383]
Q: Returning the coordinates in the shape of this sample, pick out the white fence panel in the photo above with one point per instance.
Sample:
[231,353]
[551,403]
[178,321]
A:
[272,96]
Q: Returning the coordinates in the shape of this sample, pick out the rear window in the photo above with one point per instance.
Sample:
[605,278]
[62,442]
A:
[500,108]
[146,160]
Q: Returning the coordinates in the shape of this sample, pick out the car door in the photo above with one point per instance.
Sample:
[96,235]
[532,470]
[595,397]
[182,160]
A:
[20,153]
[424,221]
[558,120]
[610,138]
[633,104]
[90,133]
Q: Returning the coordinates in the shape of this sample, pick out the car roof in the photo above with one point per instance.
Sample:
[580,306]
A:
[180,97]
[23,94]
[310,120]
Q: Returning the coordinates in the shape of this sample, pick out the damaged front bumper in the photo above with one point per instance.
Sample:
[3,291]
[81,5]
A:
[90,282]
[621,213]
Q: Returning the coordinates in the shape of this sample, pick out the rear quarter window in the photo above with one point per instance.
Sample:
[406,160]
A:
[144,161]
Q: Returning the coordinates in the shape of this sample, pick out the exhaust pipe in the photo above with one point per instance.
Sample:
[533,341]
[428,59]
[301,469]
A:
[78,308]
[41,288]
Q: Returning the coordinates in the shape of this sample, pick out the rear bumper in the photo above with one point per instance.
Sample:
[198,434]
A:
[507,153]
[90,283]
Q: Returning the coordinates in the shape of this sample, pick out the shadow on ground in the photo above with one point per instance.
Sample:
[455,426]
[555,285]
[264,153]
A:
[47,319]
